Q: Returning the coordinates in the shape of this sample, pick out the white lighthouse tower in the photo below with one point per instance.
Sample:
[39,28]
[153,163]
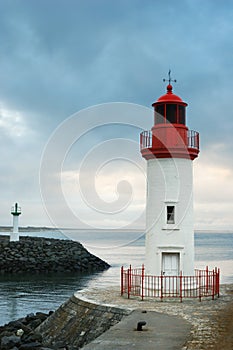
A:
[15,211]
[169,149]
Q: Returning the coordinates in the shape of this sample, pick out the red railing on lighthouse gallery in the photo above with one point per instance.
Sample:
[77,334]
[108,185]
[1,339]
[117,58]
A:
[204,283]
[192,139]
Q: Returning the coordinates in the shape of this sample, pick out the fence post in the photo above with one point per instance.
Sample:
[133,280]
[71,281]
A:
[218,282]
[181,286]
[143,271]
[207,279]
[128,282]
[161,288]
[199,281]
[122,280]
[216,289]
[130,275]
[213,287]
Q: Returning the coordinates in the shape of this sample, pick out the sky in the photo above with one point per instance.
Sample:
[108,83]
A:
[77,80]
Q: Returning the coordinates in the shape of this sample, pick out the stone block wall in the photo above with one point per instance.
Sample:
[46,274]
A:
[78,322]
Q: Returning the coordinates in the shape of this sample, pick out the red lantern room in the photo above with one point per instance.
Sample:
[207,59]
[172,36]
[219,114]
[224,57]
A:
[169,137]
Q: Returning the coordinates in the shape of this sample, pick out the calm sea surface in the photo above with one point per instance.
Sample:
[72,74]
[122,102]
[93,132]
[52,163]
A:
[20,295]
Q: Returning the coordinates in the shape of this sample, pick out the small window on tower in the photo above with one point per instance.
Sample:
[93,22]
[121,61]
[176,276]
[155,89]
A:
[181,115]
[170,214]
[171,113]
[159,114]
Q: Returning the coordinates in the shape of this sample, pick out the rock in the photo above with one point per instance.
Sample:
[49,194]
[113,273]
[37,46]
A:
[29,316]
[60,344]
[41,315]
[43,255]
[32,337]
[20,332]
[9,342]
[26,329]
[35,323]
[15,324]
[5,333]
[30,346]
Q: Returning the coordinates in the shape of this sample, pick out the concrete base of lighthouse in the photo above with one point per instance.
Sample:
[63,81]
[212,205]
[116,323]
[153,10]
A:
[14,237]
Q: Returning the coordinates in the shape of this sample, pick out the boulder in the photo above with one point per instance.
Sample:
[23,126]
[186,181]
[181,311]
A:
[8,342]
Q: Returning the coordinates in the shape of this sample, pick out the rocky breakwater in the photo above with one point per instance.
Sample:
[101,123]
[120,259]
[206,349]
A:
[45,255]
[74,324]
[22,334]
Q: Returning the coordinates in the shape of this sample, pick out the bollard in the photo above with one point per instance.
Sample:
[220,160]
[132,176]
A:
[140,324]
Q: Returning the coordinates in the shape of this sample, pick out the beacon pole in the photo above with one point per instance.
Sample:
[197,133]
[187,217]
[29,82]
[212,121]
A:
[15,211]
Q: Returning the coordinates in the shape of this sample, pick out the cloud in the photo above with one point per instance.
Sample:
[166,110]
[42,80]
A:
[58,57]
[213,189]
[13,124]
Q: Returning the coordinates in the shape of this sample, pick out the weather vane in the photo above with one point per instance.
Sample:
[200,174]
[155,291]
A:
[169,78]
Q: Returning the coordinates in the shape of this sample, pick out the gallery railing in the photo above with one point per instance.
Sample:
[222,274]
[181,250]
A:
[192,141]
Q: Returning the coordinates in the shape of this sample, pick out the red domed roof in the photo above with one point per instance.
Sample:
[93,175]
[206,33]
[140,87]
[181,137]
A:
[170,97]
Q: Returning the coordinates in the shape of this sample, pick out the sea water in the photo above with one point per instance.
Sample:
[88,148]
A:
[23,294]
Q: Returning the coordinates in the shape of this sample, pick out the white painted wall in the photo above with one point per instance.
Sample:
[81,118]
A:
[14,236]
[169,182]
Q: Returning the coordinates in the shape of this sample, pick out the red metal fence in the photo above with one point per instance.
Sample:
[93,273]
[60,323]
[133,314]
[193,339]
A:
[205,283]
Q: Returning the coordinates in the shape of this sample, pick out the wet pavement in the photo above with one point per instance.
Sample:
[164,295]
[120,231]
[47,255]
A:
[161,332]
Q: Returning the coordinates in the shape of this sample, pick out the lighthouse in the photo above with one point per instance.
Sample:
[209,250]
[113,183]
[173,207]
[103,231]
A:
[15,211]
[169,149]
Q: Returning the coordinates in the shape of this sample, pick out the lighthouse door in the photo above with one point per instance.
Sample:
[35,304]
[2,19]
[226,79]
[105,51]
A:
[170,264]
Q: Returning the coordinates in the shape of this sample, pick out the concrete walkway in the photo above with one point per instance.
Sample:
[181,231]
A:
[161,332]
